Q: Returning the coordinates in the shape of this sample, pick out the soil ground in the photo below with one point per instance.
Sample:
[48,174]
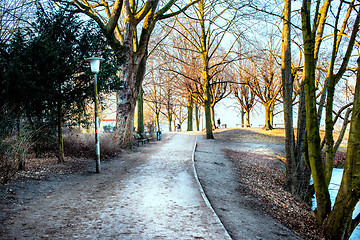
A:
[149,193]
[242,214]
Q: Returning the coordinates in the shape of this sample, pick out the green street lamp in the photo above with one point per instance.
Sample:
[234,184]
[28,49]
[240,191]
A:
[95,68]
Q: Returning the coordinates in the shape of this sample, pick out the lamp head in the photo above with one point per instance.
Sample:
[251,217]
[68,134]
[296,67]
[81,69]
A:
[95,63]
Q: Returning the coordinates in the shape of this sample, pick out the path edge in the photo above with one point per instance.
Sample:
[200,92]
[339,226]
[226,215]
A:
[203,194]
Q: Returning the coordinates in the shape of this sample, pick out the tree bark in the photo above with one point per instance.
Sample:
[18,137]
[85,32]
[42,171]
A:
[197,117]
[272,115]
[190,113]
[332,82]
[247,112]
[340,224]
[312,128]
[342,132]
[267,125]
[329,127]
[205,73]
[140,112]
[60,134]
[242,113]
[207,109]
[133,72]
[301,163]
[169,111]
[157,119]
[287,82]
[212,111]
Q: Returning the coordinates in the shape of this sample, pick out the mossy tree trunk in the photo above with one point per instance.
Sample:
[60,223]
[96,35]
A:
[170,122]
[267,125]
[332,79]
[340,223]
[60,133]
[190,107]
[287,82]
[212,111]
[247,113]
[312,128]
[242,115]
[205,72]
[140,112]
[197,117]
[272,114]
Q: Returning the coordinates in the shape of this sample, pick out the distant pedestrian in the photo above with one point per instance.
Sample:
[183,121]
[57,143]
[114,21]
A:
[218,123]
[178,127]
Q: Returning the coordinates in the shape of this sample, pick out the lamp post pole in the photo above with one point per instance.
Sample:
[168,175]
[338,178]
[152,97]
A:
[95,66]
[97,140]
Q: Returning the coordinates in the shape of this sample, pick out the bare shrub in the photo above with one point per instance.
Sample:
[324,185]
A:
[83,145]
[11,151]
[8,161]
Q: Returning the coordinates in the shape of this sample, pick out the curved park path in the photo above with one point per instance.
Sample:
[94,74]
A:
[150,193]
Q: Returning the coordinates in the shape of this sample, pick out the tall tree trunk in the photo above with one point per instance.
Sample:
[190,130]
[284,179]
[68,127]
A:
[212,111]
[157,119]
[133,73]
[301,124]
[332,81]
[190,113]
[329,127]
[340,223]
[272,115]
[301,164]
[197,117]
[207,109]
[21,160]
[242,113]
[312,128]
[140,112]
[342,132]
[287,82]
[267,125]
[247,112]
[170,120]
[205,73]
[60,133]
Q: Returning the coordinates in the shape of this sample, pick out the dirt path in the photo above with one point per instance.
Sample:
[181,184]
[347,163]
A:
[147,194]
[241,214]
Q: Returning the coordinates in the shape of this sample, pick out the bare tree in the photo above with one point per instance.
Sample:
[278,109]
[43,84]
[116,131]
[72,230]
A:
[128,26]
[13,13]
[338,221]
[264,79]
[245,97]
[153,96]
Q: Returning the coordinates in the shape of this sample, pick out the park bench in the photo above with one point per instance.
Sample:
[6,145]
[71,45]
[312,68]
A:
[146,136]
[139,139]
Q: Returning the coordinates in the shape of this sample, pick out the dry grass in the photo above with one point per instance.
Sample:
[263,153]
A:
[280,133]
[79,156]
[263,177]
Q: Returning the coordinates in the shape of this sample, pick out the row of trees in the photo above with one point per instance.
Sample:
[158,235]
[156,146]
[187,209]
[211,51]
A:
[310,81]
[338,21]
[206,66]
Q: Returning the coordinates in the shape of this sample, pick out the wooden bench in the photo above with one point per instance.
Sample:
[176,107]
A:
[139,139]
[146,136]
